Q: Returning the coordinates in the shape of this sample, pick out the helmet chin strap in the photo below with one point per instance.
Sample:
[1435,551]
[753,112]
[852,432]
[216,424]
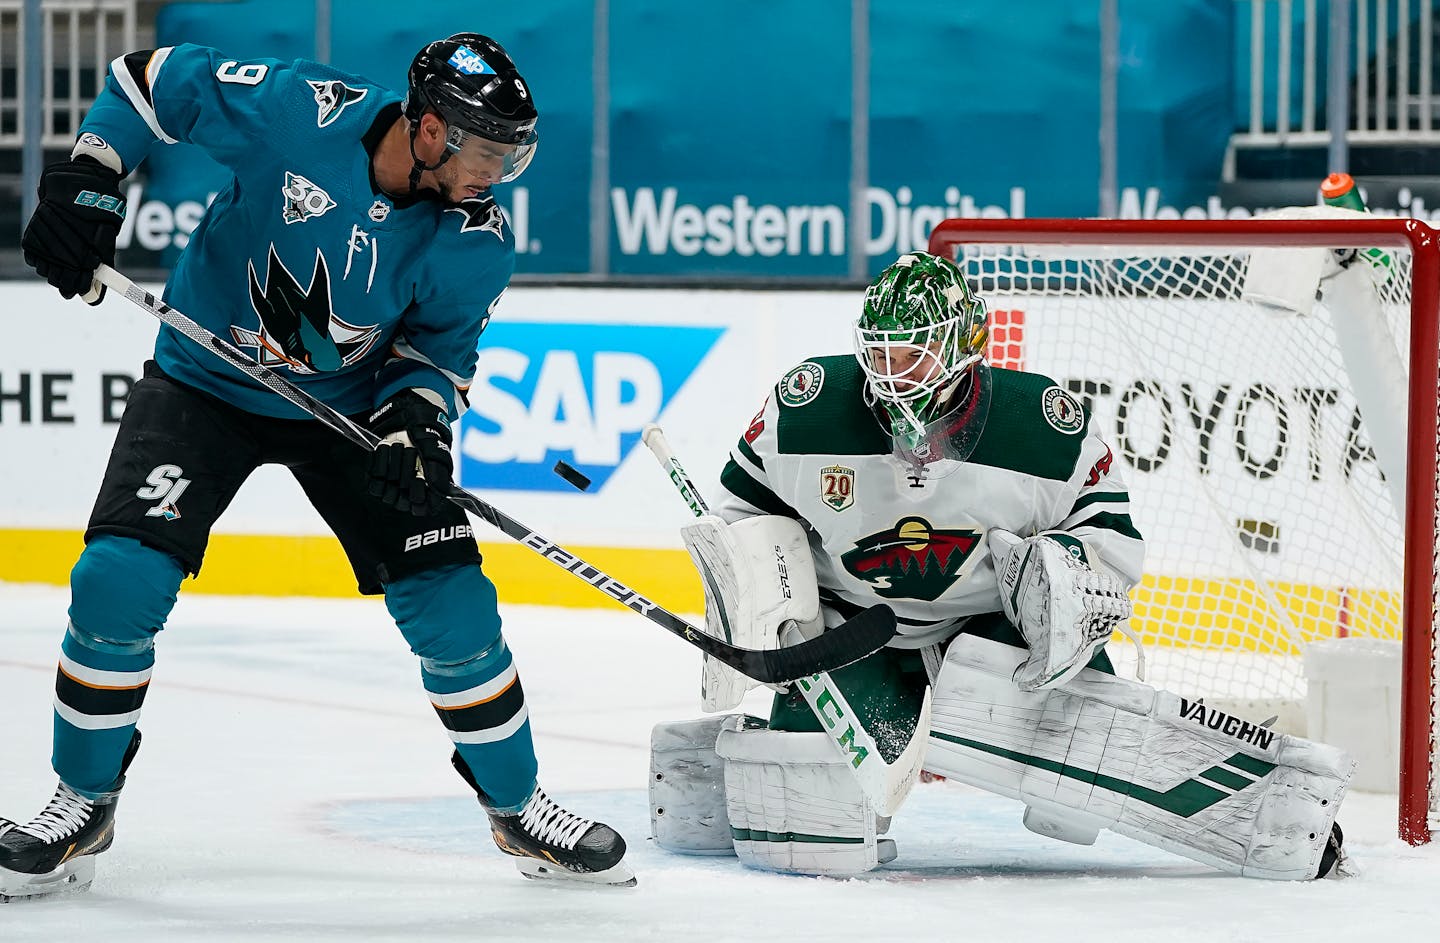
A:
[418,166]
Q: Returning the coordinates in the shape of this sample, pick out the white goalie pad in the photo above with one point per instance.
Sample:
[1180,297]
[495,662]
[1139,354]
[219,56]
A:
[1065,609]
[1104,752]
[794,807]
[687,786]
[759,578]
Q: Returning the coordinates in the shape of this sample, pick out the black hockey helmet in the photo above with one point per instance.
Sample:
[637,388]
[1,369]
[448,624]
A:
[472,84]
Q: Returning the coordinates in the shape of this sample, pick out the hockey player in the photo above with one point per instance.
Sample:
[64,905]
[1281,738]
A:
[358,249]
[979,503]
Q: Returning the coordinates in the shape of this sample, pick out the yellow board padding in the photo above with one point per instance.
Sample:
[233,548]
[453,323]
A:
[1191,612]
[253,565]
[1170,611]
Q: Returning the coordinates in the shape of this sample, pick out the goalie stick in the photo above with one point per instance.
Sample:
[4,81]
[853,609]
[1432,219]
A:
[865,633]
[885,785]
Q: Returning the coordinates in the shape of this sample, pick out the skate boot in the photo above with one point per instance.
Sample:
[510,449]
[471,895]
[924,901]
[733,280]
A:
[55,851]
[552,844]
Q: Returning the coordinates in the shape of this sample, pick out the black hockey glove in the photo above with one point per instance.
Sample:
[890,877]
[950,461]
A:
[73,229]
[412,468]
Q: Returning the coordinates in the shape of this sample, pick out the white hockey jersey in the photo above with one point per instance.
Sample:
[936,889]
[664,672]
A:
[882,530]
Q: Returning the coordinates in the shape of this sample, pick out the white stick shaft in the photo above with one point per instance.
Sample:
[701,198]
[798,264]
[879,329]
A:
[659,446]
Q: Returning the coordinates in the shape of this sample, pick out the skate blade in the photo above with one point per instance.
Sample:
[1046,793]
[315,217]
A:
[72,876]
[618,876]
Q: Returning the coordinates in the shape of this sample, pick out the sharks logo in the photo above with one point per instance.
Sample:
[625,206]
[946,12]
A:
[332,97]
[913,560]
[481,213]
[298,327]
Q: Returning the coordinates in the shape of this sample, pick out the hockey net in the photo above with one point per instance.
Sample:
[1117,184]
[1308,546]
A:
[1263,451]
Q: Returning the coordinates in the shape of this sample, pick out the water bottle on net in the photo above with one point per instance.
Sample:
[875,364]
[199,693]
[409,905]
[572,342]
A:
[1340,190]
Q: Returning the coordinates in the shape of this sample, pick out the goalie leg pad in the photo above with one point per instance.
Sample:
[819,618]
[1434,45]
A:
[759,578]
[794,807]
[687,786]
[1104,752]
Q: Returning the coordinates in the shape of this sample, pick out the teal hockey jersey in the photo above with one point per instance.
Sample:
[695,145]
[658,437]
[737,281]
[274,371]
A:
[406,286]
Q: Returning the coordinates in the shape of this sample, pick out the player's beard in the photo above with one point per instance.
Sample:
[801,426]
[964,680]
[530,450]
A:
[450,193]
[447,191]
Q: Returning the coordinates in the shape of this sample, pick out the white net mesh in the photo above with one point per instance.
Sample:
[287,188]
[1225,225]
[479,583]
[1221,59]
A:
[1262,487]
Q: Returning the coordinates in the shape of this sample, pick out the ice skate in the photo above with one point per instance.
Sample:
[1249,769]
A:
[550,843]
[55,851]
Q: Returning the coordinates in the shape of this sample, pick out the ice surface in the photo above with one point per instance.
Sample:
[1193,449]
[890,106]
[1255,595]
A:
[294,784]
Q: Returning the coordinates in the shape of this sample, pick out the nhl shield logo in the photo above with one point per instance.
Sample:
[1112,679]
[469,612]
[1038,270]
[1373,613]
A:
[837,486]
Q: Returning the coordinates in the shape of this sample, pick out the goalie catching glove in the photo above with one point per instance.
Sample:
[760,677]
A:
[1063,608]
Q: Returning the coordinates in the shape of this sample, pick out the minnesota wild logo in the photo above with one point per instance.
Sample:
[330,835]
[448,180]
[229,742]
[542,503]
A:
[912,560]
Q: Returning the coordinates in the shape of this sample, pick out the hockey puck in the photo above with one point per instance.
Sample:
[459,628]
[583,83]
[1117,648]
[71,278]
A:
[572,475]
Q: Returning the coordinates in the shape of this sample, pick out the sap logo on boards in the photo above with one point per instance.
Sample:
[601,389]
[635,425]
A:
[578,392]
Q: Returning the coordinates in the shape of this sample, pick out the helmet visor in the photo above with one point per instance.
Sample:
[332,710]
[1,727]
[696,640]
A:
[480,156]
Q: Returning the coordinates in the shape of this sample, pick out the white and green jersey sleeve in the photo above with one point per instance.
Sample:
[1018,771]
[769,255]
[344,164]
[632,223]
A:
[880,534]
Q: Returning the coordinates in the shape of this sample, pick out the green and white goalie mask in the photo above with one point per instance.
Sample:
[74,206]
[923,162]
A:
[921,343]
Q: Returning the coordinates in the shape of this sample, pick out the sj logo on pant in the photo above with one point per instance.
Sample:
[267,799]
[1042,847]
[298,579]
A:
[165,486]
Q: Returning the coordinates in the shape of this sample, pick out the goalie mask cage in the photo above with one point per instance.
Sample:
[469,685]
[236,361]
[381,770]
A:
[1262,433]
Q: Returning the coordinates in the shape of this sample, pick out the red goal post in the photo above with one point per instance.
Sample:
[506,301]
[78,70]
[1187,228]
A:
[1153,261]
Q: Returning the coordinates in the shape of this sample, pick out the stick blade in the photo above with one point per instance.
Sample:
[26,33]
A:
[904,770]
[848,642]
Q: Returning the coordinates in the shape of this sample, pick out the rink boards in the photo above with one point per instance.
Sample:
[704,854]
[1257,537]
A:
[563,373]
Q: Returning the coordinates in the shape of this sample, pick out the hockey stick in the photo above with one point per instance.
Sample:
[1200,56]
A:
[865,633]
[884,784]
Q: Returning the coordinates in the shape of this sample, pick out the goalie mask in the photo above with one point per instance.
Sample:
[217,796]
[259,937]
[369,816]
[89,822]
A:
[921,344]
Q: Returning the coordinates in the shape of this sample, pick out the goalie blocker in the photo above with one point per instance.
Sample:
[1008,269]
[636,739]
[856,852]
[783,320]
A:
[759,579]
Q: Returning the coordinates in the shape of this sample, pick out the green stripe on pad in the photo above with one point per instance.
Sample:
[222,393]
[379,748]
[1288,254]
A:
[1221,775]
[1250,765]
[1183,799]
[747,834]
